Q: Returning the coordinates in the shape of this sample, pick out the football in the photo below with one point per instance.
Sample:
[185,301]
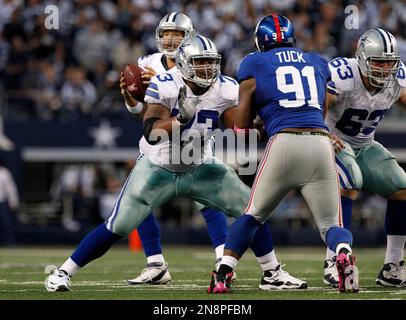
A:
[133,81]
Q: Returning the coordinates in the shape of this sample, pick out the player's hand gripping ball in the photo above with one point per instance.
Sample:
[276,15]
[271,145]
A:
[134,82]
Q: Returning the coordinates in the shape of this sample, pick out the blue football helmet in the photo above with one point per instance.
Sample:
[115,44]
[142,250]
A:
[274,31]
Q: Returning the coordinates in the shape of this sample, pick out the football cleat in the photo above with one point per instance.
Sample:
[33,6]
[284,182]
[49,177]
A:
[330,272]
[278,279]
[220,283]
[58,280]
[154,273]
[216,267]
[347,273]
[392,275]
[228,282]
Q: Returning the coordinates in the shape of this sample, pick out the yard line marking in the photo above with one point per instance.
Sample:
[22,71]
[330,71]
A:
[399,292]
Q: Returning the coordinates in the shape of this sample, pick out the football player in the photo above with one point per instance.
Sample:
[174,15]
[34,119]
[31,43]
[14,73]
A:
[361,91]
[190,99]
[171,30]
[287,88]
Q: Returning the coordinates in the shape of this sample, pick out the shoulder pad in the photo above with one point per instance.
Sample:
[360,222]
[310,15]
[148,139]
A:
[143,61]
[162,88]
[245,69]
[228,87]
[342,74]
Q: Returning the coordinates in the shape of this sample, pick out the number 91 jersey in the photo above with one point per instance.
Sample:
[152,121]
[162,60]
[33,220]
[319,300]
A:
[290,87]
[356,113]
[194,146]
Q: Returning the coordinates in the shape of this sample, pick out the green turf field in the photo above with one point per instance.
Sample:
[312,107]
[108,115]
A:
[22,275]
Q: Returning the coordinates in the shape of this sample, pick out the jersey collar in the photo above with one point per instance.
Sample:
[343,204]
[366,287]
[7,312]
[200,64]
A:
[163,61]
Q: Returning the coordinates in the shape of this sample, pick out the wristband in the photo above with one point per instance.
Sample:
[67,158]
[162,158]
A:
[136,109]
[240,131]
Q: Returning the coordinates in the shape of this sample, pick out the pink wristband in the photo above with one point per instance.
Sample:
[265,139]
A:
[238,130]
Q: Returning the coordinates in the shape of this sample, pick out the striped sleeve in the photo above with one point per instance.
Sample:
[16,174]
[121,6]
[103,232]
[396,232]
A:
[331,88]
[152,91]
[157,93]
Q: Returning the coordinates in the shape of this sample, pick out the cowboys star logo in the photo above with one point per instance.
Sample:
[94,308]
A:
[363,41]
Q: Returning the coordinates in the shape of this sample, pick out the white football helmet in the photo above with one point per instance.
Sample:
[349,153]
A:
[378,45]
[172,21]
[198,60]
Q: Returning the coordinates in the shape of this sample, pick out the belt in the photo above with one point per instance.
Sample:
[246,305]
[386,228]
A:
[306,133]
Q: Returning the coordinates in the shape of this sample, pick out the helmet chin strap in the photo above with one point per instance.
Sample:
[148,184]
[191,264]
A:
[204,85]
[377,83]
[170,54]
[198,81]
[384,83]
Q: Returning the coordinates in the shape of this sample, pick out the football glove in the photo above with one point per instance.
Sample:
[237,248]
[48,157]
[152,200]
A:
[187,107]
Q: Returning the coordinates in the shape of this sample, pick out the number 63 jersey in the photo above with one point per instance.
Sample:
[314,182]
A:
[191,146]
[356,113]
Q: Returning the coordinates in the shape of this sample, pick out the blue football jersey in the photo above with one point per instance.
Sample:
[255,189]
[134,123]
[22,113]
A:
[290,87]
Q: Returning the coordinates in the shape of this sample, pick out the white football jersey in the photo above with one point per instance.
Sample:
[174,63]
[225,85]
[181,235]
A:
[154,61]
[357,112]
[164,90]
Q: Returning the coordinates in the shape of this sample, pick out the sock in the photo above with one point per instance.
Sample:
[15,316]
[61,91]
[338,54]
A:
[394,248]
[94,245]
[336,236]
[216,226]
[395,218]
[395,229]
[219,251]
[156,258]
[228,264]
[241,234]
[330,254]
[70,267]
[150,236]
[343,248]
[346,205]
[262,242]
[219,255]
[268,261]
[262,246]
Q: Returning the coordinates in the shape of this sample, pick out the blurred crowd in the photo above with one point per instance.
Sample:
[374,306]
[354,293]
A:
[73,71]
